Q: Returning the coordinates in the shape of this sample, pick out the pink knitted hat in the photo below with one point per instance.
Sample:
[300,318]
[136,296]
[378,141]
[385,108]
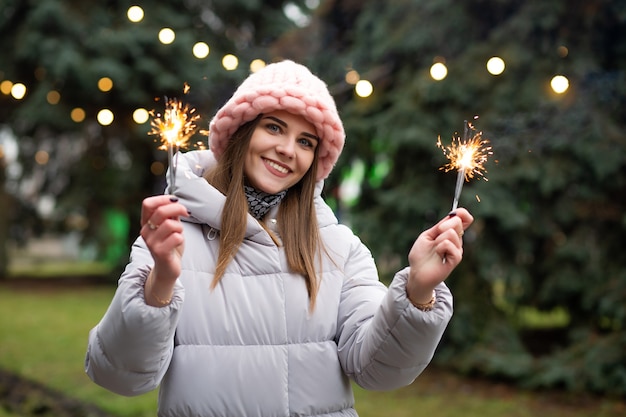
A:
[282,86]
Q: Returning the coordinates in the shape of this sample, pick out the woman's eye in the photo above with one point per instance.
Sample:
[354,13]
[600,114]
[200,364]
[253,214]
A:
[306,142]
[273,128]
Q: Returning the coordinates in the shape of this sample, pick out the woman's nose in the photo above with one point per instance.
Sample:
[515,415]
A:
[287,147]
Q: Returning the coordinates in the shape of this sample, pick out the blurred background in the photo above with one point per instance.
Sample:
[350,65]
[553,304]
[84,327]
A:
[540,298]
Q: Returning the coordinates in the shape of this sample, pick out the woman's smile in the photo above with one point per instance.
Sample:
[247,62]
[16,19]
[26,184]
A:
[276,166]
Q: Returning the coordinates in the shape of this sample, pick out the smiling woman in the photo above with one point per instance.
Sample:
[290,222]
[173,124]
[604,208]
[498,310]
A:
[249,247]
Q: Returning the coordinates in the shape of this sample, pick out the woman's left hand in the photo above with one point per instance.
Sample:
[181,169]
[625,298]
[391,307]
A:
[435,253]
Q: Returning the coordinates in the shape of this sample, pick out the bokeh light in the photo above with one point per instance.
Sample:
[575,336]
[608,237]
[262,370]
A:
[105,117]
[77,115]
[230,62]
[438,71]
[352,77]
[559,84]
[201,50]
[495,65]
[257,64]
[105,84]
[166,36]
[141,116]
[157,168]
[18,91]
[364,88]
[135,14]
[53,97]
[42,157]
[5,87]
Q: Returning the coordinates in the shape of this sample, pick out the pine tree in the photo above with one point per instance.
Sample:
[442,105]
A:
[550,222]
[61,50]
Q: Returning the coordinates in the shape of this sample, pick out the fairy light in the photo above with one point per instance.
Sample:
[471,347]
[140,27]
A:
[559,84]
[105,117]
[230,62]
[135,14]
[201,50]
[495,65]
[438,71]
[167,36]
[141,116]
[257,64]
[18,91]
[363,88]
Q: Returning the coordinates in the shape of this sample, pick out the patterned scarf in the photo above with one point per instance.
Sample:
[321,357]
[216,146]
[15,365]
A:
[259,202]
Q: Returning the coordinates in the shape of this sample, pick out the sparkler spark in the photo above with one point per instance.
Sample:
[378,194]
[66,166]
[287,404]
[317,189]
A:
[174,128]
[467,155]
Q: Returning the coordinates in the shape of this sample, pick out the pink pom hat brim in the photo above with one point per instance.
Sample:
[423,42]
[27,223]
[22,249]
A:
[283,86]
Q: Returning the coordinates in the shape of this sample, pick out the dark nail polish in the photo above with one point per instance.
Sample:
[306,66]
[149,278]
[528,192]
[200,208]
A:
[174,199]
[188,213]
[452,214]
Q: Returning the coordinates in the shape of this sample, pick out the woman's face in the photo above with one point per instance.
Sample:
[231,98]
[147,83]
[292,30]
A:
[281,151]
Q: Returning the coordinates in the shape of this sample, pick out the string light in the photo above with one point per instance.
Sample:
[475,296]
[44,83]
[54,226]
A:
[166,36]
[559,84]
[352,77]
[256,65]
[77,115]
[230,62]
[5,87]
[495,65]
[105,117]
[135,14]
[438,71]
[18,91]
[105,84]
[42,157]
[201,50]
[53,97]
[364,88]
[141,116]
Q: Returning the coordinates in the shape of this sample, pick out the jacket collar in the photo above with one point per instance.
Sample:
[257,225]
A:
[206,203]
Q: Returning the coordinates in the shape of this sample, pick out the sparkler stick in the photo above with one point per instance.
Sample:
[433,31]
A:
[467,156]
[174,128]
[461,172]
[457,190]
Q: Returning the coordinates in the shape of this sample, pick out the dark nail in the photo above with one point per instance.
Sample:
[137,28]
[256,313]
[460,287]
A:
[188,213]
[452,214]
[174,199]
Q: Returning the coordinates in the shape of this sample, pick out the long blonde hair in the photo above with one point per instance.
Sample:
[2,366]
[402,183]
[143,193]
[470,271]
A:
[296,219]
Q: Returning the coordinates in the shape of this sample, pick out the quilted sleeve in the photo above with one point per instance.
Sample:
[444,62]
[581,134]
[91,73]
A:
[130,349]
[385,342]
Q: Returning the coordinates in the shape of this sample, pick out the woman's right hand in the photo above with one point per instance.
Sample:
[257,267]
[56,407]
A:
[162,231]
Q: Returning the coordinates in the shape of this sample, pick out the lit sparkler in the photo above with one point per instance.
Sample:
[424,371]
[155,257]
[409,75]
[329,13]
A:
[174,127]
[468,156]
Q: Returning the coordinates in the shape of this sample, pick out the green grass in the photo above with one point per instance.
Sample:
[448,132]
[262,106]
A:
[57,268]
[441,394]
[43,336]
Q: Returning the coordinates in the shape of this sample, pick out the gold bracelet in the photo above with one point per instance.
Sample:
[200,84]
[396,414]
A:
[161,301]
[426,306]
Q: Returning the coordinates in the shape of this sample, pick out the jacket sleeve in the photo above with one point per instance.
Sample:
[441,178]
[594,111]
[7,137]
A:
[130,349]
[385,342]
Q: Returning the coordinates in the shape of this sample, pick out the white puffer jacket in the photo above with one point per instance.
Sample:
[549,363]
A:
[251,347]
